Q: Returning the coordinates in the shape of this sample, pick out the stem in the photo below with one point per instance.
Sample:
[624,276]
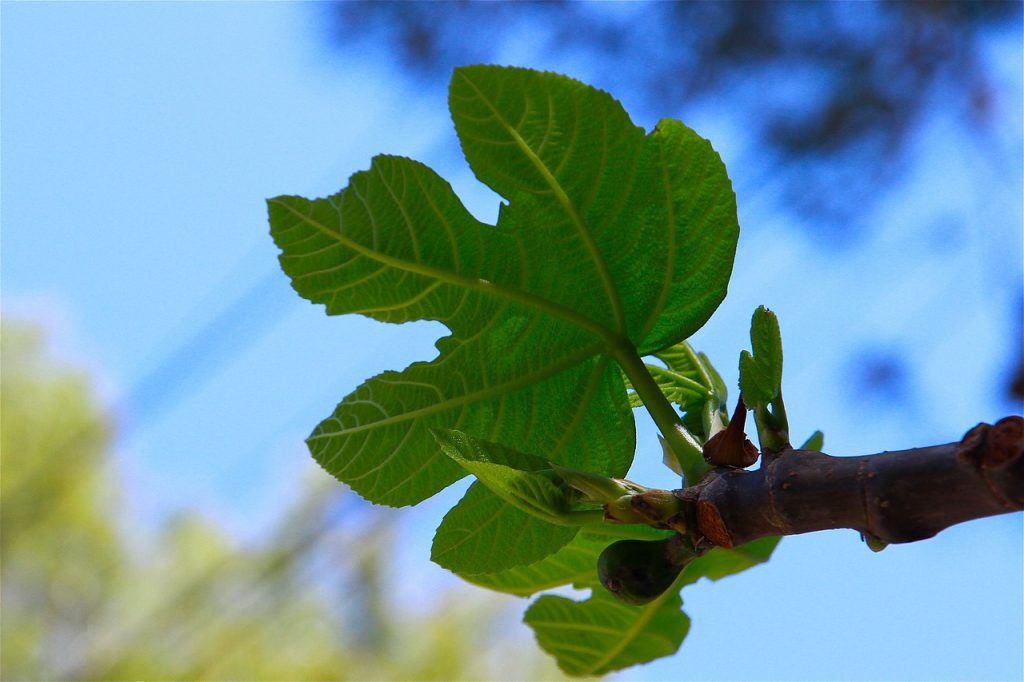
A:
[664,415]
[772,427]
[896,497]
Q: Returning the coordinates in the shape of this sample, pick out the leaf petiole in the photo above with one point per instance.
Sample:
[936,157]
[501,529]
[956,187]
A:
[664,415]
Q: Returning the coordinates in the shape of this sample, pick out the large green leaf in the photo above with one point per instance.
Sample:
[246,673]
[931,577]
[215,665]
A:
[653,220]
[485,534]
[573,564]
[610,240]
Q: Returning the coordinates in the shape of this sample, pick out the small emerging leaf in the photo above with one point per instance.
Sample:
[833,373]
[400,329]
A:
[594,487]
[761,372]
[703,411]
[816,442]
[670,459]
[521,479]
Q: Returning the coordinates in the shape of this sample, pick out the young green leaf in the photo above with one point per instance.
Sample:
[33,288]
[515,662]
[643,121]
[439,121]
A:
[523,480]
[761,381]
[761,372]
[611,241]
[678,387]
[702,409]
[815,442]
[681,359]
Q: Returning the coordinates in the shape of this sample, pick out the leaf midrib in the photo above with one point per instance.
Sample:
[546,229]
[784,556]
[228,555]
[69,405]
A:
[494,391]
[608,336]
[600,263]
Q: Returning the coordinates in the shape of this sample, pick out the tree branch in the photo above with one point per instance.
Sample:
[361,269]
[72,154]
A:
[893,497]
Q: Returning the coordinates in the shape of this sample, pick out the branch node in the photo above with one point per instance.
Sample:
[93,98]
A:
[711,525]
[989,446]
[992,449]
[730,447]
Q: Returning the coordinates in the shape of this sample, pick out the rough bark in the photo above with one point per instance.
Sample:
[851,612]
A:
[892,497]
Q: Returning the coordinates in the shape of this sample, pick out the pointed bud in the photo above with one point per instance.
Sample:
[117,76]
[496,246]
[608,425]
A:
[730,447]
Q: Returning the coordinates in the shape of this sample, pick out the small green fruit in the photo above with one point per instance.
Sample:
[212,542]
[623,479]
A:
[639,571]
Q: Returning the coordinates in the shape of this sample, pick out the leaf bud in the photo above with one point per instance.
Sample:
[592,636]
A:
[596,488]
[730,446]
[660,508]
[620,510]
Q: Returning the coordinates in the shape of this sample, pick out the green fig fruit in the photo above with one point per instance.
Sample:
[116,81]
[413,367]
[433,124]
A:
[638,571]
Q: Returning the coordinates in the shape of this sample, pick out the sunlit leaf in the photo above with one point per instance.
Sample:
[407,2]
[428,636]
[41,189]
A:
[610,240]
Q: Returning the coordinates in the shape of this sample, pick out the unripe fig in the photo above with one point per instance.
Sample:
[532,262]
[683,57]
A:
[638,571]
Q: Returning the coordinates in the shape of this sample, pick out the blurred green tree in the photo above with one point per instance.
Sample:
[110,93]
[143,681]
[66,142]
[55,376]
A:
[60,555]
[84,599]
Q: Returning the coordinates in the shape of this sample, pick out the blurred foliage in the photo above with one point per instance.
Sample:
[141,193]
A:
[59,552]
[830,88]
[84,599]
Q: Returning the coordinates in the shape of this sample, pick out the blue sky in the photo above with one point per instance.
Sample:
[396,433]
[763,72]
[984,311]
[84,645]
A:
[139,142]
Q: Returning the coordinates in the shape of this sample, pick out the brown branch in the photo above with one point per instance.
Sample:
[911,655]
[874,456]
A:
[894,497]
